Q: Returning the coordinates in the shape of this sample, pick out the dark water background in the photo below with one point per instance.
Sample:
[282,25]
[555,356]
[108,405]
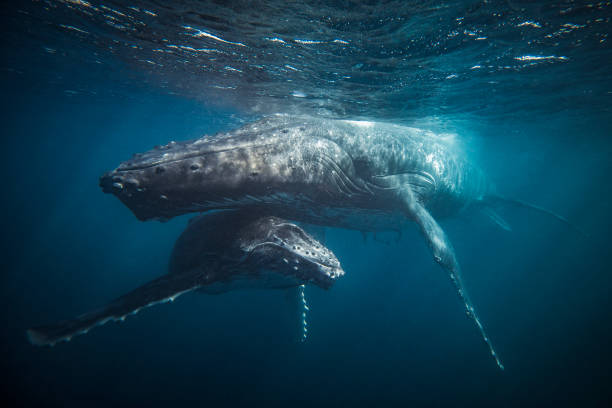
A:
[390,332]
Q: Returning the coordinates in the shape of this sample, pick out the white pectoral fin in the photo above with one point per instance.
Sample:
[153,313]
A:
[296,296]
[164,289]
[305,309]
[444,255]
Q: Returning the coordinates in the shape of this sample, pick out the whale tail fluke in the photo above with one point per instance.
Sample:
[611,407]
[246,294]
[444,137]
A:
[164,289]
[496,218]
[495,201]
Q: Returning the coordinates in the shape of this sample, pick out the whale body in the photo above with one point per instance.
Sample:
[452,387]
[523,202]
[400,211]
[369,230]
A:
[326,170]
[368,176]
[217,253]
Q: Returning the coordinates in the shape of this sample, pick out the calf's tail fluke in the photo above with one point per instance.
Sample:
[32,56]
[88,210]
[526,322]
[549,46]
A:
[164,289]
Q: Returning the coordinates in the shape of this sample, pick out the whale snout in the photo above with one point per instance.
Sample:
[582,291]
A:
[306,257]
[134,189]
[111,183]
[114,182]
[244,168]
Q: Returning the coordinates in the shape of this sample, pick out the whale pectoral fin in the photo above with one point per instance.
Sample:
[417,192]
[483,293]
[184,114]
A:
[298,306]
[444,255]
[305,309]
[163,289]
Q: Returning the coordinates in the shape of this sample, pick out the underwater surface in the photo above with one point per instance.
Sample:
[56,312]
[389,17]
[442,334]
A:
[524,87]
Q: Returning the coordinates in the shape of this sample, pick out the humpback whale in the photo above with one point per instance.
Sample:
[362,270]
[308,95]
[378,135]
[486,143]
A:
[368,176]
[216,253]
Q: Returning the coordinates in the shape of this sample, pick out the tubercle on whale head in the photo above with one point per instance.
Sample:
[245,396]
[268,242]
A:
[182,177]
[195,176]
[227,171]
[287,249]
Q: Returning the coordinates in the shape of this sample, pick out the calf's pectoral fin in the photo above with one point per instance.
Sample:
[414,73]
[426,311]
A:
[164,289]
[444,255]
[297,306]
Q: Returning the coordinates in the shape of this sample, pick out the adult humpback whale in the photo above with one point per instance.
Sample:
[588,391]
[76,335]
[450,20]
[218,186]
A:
[217,253]
[367,176]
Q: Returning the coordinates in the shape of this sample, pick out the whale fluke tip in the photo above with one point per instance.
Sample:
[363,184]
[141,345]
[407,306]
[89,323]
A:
[37,338]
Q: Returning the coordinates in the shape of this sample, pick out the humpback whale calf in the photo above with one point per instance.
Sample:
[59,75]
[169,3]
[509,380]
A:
[217,253]
[367,176]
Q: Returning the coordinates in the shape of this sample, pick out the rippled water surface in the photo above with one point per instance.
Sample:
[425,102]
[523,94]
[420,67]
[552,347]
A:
[397,60]
[525,87]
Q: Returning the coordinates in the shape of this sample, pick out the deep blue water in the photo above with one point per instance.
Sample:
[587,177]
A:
[389,333]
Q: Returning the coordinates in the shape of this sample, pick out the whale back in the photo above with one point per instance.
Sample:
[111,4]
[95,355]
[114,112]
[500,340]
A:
[207,241]
[390,156]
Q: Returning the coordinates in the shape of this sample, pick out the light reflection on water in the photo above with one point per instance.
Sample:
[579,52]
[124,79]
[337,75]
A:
[392,60]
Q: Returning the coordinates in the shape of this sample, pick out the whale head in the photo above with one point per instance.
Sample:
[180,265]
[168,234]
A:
[261,250]
[279,247]
[245,167]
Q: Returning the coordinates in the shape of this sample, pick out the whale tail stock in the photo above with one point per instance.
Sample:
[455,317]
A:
[490,203]
[163,289]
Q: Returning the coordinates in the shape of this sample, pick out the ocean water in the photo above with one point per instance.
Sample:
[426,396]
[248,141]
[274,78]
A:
[525,86]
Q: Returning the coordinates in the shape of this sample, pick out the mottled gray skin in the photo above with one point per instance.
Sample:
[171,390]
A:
[217,253]
[362,175]
[330,172]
